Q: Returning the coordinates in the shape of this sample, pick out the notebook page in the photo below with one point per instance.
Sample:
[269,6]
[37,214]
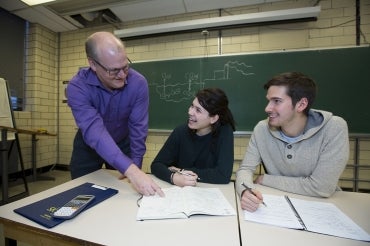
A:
[326,218]
[277,212]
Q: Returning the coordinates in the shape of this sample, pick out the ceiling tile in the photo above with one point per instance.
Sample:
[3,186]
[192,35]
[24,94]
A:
[148,9]
[45,17]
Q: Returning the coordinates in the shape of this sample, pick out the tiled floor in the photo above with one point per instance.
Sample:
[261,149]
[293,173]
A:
[38,186]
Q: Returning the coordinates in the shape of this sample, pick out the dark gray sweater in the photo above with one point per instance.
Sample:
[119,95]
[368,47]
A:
[211,157]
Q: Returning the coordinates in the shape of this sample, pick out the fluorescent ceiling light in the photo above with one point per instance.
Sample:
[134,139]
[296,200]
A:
[225,21]
[36,2]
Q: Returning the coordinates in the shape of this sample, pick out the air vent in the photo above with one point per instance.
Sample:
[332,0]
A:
[97,18]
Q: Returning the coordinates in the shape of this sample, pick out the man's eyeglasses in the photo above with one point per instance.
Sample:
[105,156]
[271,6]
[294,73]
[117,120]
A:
[115,71]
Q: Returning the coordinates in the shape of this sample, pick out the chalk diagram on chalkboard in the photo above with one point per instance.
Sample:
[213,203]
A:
[177,92]
[171,91]
[229,69]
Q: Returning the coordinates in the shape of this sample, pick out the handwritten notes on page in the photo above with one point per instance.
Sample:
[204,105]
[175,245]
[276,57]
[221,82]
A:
[313,216]
[184,202]
[326,218]
[278,212]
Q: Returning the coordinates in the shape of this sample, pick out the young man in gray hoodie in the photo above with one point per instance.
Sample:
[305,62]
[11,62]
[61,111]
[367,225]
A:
[303,150]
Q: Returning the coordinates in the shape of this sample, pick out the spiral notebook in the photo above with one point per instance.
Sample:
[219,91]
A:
[40,211]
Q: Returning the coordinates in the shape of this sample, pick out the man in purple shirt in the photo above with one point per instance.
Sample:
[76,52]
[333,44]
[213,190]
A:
[109,102]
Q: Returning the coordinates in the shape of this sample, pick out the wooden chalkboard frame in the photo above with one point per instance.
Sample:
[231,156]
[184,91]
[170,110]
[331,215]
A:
[342,76]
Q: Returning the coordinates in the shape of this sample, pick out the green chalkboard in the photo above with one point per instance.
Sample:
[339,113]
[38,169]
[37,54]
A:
[342,76]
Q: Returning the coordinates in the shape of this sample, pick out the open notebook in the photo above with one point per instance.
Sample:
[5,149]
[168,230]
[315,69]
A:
[313,216]
[180,203]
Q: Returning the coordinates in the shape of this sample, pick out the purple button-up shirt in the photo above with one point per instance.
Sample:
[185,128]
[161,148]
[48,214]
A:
[107,117]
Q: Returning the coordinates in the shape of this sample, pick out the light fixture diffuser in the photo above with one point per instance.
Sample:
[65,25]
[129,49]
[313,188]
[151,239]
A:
[36,2]
[308,13]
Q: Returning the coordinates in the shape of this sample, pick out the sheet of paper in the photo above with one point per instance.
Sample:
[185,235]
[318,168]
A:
[326,218]
[206,201]
[277,212]
[5,110]
[156,207]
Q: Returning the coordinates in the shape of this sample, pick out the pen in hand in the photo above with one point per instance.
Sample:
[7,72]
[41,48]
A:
[181,171]
[187,174]
[250,190]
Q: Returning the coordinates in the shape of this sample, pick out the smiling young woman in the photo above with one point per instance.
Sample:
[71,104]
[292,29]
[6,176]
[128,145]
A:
[203,148]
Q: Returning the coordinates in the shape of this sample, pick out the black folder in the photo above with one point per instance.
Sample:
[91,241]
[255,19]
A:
[41,211]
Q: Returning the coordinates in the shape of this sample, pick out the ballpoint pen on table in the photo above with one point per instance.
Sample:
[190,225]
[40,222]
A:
[250,190]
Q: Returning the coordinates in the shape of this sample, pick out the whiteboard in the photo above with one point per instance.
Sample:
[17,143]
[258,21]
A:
[6,118]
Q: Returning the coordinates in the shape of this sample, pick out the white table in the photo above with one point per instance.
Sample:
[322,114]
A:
[355,205]
[113,222]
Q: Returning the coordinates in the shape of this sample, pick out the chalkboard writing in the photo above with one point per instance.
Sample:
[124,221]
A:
[342,76]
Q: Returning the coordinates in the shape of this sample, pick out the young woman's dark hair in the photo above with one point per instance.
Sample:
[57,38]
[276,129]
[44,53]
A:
[215,101]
